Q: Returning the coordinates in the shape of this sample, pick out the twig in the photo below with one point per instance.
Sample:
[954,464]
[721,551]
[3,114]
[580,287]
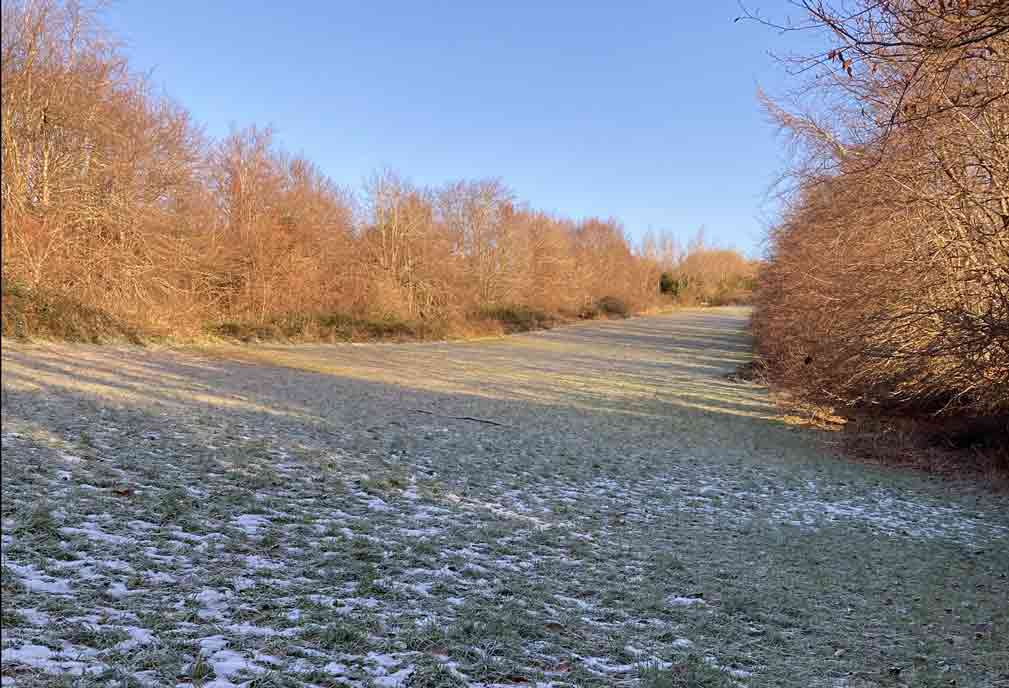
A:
[469,418]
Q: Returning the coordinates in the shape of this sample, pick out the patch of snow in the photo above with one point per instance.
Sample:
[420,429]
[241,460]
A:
[141,525]
[393,680]
[117,590]
[116,565]
[254,561]
[211,602]
[383,660]
[241,583]
[138,636]
[212,644]
[253,630]
[228,662]
[735,673]
[600,665]
[41,657]
[677,601]
[92,532]
[36,581]
[376,504]
[35,617]
[250,523]
[581,604]
[160,577]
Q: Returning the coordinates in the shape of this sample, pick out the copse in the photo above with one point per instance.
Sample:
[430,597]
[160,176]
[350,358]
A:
[701,273]
[96,168]
[114,201]
[715,276]
[887,280]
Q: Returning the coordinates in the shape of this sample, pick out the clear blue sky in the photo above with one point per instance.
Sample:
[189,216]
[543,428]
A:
[641,111]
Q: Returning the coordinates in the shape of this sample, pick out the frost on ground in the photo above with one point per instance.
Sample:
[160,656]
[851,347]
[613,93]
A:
[322,516]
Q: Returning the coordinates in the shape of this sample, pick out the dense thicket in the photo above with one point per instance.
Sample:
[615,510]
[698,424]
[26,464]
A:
[114,200]
[888,274]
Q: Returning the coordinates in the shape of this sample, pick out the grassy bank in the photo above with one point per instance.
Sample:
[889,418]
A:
[39,314]
[34,314]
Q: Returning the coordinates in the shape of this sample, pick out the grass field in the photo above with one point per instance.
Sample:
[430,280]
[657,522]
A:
[591,506]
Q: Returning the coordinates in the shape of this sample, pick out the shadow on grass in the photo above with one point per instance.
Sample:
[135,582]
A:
[643,372]
[633,400]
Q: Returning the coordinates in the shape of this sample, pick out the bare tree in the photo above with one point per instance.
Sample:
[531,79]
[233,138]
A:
[889,273]
[114,199]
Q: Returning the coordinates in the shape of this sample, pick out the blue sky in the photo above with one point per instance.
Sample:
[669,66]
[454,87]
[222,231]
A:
[641,111]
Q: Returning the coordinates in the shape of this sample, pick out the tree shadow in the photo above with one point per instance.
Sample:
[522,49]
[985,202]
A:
[653,391]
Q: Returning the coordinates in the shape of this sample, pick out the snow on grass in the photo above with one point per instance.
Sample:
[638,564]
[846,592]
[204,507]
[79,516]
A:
[49,661]
[678,601]
[250,523]
[277,529]
[35,581]
[337,579]
[91,531]
[226,663]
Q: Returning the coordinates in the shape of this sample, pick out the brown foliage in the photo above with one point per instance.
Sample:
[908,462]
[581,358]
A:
[113,197]
[701,274]
[888,278]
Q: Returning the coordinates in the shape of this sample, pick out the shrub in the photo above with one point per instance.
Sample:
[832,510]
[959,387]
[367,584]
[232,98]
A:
[332,327]
[243,331]
[612,306]
[518,318]
[49,315]
[886,284]
[669,285]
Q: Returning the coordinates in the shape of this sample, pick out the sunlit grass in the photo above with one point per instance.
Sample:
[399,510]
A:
[634,520]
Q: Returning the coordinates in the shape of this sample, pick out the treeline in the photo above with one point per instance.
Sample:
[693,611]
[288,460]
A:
[701,273]
[887,282]
[117,208]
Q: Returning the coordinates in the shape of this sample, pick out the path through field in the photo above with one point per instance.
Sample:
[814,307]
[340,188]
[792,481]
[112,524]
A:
[591,506]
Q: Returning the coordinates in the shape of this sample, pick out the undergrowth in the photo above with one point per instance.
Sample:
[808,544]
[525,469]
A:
[960,446]
[37,313]
[30,313]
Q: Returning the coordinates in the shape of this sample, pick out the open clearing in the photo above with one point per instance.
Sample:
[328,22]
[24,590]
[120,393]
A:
[339,516]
